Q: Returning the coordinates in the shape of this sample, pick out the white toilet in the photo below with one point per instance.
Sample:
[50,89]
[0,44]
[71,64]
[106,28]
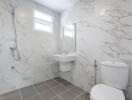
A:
[114,80]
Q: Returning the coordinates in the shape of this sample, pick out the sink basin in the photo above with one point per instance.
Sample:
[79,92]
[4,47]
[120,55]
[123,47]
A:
[69,57]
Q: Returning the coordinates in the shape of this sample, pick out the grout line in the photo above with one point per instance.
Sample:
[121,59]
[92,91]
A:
[55,93]
[59,95]
[70,90]
[21,98]
[61,84]
[37,92]
[67,89]
[46,91]
[78,96]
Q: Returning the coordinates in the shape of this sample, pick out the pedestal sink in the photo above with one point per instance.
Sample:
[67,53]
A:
[65,60]
[65,57]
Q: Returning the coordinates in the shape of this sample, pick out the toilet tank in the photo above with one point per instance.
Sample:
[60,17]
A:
[115,74]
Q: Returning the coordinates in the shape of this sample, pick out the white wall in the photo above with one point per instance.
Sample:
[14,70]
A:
[104,32]
[35,47]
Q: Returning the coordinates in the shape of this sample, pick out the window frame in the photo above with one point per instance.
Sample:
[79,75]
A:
[43,21]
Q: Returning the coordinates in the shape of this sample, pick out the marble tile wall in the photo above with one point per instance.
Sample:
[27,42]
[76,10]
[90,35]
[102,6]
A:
[27,59]
[104,32]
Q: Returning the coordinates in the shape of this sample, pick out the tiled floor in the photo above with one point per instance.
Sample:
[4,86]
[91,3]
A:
[54,89]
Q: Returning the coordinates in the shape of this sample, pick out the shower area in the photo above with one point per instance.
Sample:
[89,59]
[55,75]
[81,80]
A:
[25,51]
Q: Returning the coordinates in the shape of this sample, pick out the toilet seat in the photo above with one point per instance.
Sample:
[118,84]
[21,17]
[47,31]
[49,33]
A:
[105,92]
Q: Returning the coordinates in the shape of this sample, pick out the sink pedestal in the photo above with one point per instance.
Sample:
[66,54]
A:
[65,66]
[65,61]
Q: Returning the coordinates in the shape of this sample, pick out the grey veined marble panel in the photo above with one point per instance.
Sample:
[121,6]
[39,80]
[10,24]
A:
[104,32]
[25,52]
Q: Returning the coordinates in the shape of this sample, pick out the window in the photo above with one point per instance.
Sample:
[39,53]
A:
[43,22]
[69,31]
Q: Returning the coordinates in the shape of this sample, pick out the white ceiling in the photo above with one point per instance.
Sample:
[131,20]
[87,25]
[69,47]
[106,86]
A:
[57,5]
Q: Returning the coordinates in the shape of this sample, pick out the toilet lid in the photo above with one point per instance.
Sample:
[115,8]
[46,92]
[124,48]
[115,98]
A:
[105,92]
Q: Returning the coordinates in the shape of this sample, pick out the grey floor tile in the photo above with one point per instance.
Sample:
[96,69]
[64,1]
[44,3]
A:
[77,90]
[15,95]
[41,87]
[65,83]
[48,95]
[54,89]
[33,97]
[28,93]
[60,80]
[51,83]
[59,89]
[83,97]
[68,95]
[56,98]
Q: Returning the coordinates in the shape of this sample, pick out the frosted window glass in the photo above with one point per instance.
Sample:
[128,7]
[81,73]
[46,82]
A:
[43,22]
